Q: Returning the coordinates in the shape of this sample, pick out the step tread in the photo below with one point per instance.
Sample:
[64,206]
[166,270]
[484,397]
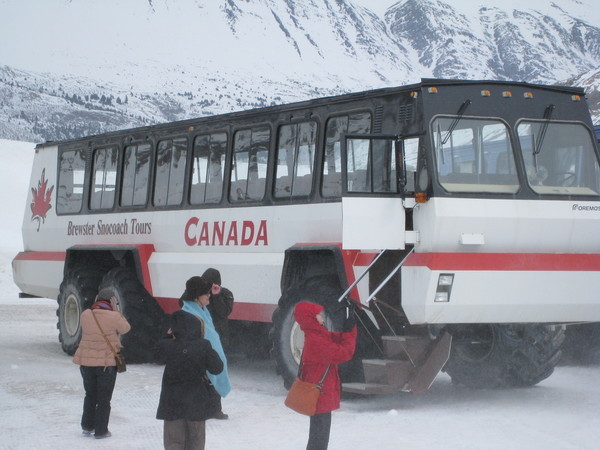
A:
[369,388]
[427,372]
[405,347]
[386,362]
[406,338]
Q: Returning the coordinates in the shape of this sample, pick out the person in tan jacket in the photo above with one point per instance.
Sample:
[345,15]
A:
[97,361]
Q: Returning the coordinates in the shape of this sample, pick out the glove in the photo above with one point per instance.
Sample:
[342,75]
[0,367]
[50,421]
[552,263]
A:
[350,322]
[351,306]
[347,303]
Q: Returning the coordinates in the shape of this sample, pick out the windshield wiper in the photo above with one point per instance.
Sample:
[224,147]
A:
[439,139]
[459,115]
[540,140]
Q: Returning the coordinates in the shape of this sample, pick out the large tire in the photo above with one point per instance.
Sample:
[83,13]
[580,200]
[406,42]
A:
[249,338]
[582,344]
[77,293]
[141,311]
[288,340]
[501,356]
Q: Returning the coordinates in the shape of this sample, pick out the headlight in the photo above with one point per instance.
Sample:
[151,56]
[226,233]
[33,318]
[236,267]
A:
[444,287]
[442,297]
[445,279]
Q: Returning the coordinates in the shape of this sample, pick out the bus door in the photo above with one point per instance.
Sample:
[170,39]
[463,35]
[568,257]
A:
[372,205]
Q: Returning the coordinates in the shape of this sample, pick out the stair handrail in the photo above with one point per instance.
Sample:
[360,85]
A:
[343,296]
[366,328]
[362,275]
[387,322]
[381,302]
[376,291]
[392,273]
[378,302]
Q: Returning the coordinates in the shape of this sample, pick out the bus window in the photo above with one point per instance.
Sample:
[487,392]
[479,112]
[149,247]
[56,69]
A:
[359,123]
[170,172]
[70,181]
[411,154]
[559,158]
[207,171]
[104,178]
[358,165]
[371,165]
[295,160]
[136,171]
[474,155]
[249,165]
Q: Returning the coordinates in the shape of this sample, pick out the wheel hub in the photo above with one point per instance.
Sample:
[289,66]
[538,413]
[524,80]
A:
[474,343]
[71,315]
[296,342]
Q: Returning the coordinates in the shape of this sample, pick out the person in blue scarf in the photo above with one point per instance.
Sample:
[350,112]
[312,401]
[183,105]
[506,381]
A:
[195,300]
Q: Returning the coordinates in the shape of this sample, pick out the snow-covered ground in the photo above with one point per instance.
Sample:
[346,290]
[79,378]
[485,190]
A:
[41,392]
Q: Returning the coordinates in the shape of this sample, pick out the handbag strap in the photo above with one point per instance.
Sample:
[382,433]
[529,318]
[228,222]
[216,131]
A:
[323,377]
[320,383]
[112,349]
[299,374]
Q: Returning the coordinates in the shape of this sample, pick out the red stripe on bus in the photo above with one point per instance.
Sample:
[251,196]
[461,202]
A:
[255,312]
[349,257]
[145,251]
[168,305]
[505,261]
[41,256]
[364,259]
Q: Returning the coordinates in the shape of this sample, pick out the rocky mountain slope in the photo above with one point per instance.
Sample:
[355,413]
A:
[140,62]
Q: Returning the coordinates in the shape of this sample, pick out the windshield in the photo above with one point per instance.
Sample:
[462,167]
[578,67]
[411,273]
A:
[559,158]
[474,155]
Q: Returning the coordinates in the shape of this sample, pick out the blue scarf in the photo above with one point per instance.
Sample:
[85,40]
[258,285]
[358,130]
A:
[220,381]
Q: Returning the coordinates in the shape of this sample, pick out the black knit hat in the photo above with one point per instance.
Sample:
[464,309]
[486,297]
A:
[105,294]
[106,297]
[195,287]
[212,276]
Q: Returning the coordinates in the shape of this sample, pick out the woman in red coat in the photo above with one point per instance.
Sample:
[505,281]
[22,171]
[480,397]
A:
[323,348]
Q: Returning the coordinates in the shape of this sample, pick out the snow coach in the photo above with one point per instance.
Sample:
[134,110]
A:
[461,217]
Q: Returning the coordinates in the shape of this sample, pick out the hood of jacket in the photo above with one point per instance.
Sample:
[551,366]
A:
[185,325]
[305,314]
[212,276]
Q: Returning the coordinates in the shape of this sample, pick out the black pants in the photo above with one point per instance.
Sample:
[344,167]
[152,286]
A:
[318,436]
[99,383]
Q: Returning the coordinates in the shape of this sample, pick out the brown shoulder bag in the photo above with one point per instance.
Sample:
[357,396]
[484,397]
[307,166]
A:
[303,396]
[119,359]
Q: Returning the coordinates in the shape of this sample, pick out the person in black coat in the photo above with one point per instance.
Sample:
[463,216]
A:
[186,398]
[221,304]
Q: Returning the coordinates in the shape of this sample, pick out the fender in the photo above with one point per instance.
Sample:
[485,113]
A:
[134,256]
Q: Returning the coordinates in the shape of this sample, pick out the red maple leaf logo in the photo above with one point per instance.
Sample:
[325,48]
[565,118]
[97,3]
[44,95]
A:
[40,203]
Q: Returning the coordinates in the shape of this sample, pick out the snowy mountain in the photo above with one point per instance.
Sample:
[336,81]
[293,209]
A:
[496,41]
[80,66]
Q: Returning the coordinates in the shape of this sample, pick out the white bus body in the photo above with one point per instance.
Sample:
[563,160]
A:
[517,252]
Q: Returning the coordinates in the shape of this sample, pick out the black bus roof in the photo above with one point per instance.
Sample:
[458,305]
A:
[342,98]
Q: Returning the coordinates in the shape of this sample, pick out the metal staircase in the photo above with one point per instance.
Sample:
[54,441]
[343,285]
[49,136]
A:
[410,363]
